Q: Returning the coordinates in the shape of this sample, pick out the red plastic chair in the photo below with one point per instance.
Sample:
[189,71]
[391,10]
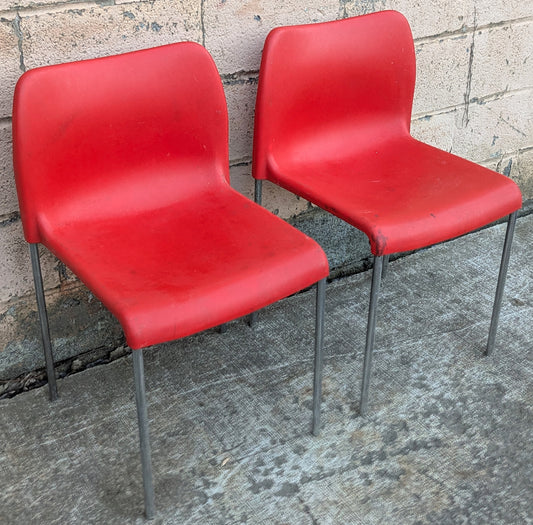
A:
[332,125]
[122,172]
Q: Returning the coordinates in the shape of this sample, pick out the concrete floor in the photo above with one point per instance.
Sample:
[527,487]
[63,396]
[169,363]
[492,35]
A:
[447,439]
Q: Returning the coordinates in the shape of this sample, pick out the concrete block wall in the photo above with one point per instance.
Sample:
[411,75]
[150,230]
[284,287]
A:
[473,97]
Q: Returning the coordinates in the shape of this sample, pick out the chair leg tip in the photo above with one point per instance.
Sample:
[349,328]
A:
[315,425]
[252,319]
[52,394]
[149,510]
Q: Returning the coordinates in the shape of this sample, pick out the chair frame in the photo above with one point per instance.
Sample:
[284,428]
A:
[184,141]
[379,271]
[355,103]
[139,381]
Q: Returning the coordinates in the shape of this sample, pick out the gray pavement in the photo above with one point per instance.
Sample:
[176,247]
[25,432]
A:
[447,439]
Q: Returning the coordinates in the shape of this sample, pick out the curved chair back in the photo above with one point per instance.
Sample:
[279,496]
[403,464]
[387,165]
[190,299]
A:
[360,77]
[80,130]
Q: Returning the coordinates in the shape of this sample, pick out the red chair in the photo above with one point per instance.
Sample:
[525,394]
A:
[122,171]
[332,125]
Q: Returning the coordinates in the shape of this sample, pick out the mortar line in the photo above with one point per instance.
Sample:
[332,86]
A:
[506,155]
[59,7]
[476,100]
[244,161]
[202,20]
[465,30]
[9,218]
[18,33]
[239,73]
[468,87]
[342,9]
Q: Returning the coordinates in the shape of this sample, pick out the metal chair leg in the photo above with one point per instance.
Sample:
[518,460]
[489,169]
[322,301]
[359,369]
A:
[370,334]
[319,347]
[43,318]
[501,282]
[385,266]
[258,198]
[252,319]
[144,438]
[258,193]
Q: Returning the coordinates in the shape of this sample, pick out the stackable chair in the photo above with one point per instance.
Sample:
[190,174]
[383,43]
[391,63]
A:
[122,172]
[332,124]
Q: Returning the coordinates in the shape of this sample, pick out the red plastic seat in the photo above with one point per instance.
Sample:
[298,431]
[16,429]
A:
[332,124]
[122,171]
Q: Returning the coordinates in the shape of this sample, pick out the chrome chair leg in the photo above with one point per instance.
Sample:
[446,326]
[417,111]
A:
[43,318]
[319,354]
[371,330]
[258,199]
[252,319]
[258,193]
[385,266]
[501,282]
[144,438]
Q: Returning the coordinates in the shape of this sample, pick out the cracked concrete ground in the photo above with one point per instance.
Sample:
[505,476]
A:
[447,439]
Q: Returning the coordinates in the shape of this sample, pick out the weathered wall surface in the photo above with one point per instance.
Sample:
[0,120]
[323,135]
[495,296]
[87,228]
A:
[474,98]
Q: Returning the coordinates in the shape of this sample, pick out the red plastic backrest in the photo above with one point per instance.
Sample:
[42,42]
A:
[329,87]
[118,135]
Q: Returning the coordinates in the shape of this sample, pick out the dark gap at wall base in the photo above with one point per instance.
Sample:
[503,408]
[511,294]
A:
[78,363]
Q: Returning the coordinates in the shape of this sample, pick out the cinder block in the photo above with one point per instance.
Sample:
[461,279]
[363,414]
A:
[488,130]
[502,59]
[9,66]
[241,179]
[522,171]
[240,97]
[438,130]
[496,127]
[8,194]
[441,73]
[75,34]
[279,201]
[282,202]
[15,267]
[425,18]
[235,31]
[497,11]
[13,5]
[518,166]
